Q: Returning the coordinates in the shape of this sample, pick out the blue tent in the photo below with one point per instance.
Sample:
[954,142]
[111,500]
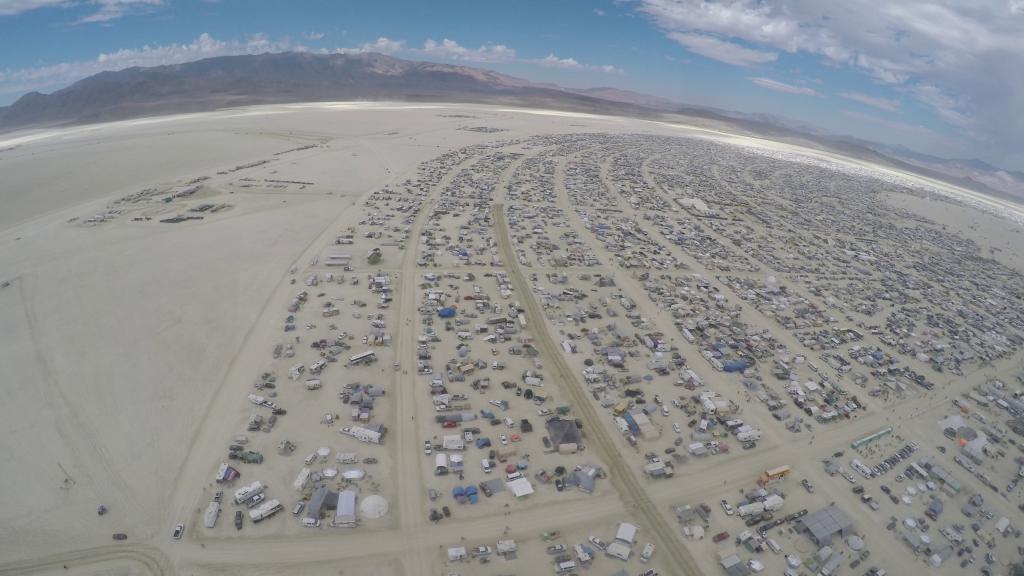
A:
[447,312]
[735,366]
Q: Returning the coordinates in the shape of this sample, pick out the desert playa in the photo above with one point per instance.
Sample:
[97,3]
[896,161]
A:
[551,301]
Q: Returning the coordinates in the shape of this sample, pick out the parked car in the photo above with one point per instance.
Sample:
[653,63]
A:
[179,531]
[597,542]
[556,548]
[727,508]
[120,536]
[721,536]
[238,519]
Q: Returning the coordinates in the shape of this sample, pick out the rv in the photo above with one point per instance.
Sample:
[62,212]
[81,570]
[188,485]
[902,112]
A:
[265,511]
[363,358]
[440,464]
[246,492]
[581,554]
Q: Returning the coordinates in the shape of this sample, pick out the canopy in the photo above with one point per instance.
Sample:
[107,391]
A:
[373,507]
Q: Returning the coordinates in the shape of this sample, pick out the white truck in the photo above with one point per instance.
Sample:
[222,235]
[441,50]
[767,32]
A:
[246,492]
[265,510]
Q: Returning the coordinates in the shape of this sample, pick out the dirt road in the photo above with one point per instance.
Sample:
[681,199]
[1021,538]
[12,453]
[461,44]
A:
[630,491]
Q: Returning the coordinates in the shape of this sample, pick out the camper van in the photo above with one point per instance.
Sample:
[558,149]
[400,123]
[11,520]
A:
[440,464]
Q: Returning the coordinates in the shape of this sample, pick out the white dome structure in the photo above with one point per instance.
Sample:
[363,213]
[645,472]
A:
[374,507]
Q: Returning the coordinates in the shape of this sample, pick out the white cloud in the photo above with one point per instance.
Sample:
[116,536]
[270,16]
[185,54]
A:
[500,54]
[452,50]
[383,45]
[721,50]
[12,7]
[964,60]
[112,9]
[600,12]
[313,35]
[783,87]
[104,10]
[944,105]
[891,105]
[912,130]
[552,61]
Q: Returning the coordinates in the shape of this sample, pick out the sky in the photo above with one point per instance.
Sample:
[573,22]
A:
[939,77]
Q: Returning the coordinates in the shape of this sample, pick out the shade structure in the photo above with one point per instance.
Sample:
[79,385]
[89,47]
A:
[374,506]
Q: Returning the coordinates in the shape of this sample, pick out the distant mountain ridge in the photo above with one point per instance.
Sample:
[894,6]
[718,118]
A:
[275,78]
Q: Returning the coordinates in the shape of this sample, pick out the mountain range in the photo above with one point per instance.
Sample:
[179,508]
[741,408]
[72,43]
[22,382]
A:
[275,78]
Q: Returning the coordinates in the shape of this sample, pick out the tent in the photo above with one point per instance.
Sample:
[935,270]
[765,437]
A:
[373,507]
[520,487]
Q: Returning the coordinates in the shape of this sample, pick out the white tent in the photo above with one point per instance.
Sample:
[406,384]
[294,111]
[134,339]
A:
[374,507]
[626,533]
[354,474]
[520,487]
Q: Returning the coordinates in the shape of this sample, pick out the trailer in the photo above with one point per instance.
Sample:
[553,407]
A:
[211,515]
[440,464]
[246,492]
[265,510]
[363,358]
[751,509]
[362,434]
[318,366]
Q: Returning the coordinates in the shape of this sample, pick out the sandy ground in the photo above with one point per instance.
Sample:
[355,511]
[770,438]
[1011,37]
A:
[128,347]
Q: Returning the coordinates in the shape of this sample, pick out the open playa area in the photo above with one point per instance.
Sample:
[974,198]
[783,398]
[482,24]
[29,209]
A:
[457,339]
